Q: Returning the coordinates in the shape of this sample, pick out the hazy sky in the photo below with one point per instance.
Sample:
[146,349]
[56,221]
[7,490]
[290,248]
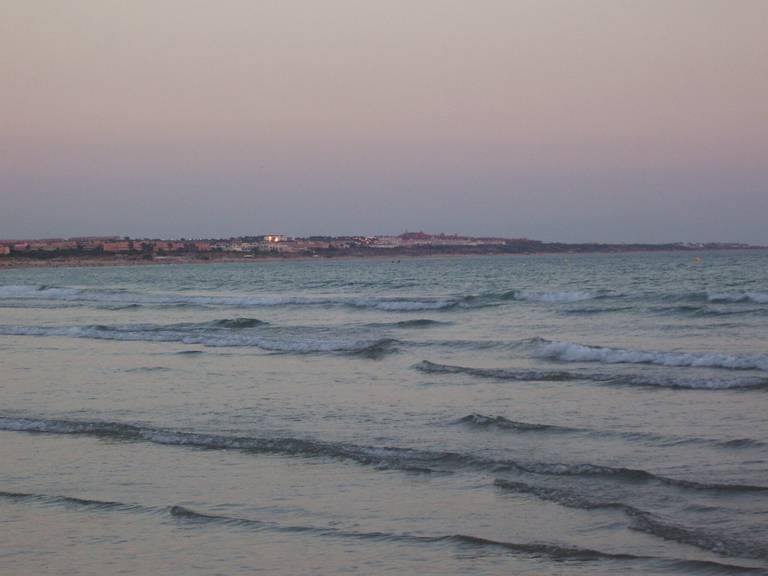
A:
[575,120]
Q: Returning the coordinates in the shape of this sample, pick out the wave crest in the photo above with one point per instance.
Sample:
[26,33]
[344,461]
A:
[554,297]
[191,334]
[642,380]
[238,323]
[382,457]
[495,373]
[187,515]
[572,352]
[482,421]
[755,297]
[121,298]
[643,521]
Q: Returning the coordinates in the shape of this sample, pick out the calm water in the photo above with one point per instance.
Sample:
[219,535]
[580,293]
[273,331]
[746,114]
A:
[542,415]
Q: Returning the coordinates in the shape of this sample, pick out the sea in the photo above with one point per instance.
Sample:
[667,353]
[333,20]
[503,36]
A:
[532,415]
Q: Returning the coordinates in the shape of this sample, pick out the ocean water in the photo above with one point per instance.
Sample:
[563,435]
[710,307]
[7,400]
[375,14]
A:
[547,415]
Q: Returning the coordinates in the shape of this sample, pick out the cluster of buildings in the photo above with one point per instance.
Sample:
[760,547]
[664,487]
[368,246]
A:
[421,239]
[271,243]
[93,245]
[108,245]
[250,246]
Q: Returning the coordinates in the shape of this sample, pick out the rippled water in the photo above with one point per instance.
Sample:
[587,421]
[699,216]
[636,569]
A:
[530,415]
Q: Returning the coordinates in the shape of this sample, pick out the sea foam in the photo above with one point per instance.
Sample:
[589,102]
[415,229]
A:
[572,352]
[755,297]
[555,297]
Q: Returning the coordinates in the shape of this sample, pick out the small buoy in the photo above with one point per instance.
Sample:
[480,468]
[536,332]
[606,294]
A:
[697,260]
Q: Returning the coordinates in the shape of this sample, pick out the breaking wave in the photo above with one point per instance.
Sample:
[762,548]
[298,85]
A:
[571,352]
[499,422]
[554,297]
[402,305]
[415,323]
[755,297]
[645,522]
[232,336]
[593,310]
[381,457]
[497,373]
[119,299]
[236,323]
[706,311]
[463,540]
[125,297]
[692,383]
[185,514]
[642,380]
[377,349]
[69,500]
[483,422]
[640,520]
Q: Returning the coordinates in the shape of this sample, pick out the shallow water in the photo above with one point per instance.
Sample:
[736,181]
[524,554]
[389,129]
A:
[533,415]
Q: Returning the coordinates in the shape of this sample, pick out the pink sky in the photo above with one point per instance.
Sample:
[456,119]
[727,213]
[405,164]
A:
[560,120]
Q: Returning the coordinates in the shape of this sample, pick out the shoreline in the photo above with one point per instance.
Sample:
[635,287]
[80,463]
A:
[15,263]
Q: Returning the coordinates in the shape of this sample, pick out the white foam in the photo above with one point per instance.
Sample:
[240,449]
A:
[696,383]
[554,297]
[402,305]
[571,352]
[755,297]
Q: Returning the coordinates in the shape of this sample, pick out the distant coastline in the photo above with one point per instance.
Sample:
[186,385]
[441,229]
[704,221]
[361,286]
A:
[187,254]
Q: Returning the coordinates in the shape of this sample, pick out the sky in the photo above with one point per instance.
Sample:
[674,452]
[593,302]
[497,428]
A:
[558,120]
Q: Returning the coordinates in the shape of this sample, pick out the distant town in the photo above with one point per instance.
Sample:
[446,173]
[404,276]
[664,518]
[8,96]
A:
[117,249]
